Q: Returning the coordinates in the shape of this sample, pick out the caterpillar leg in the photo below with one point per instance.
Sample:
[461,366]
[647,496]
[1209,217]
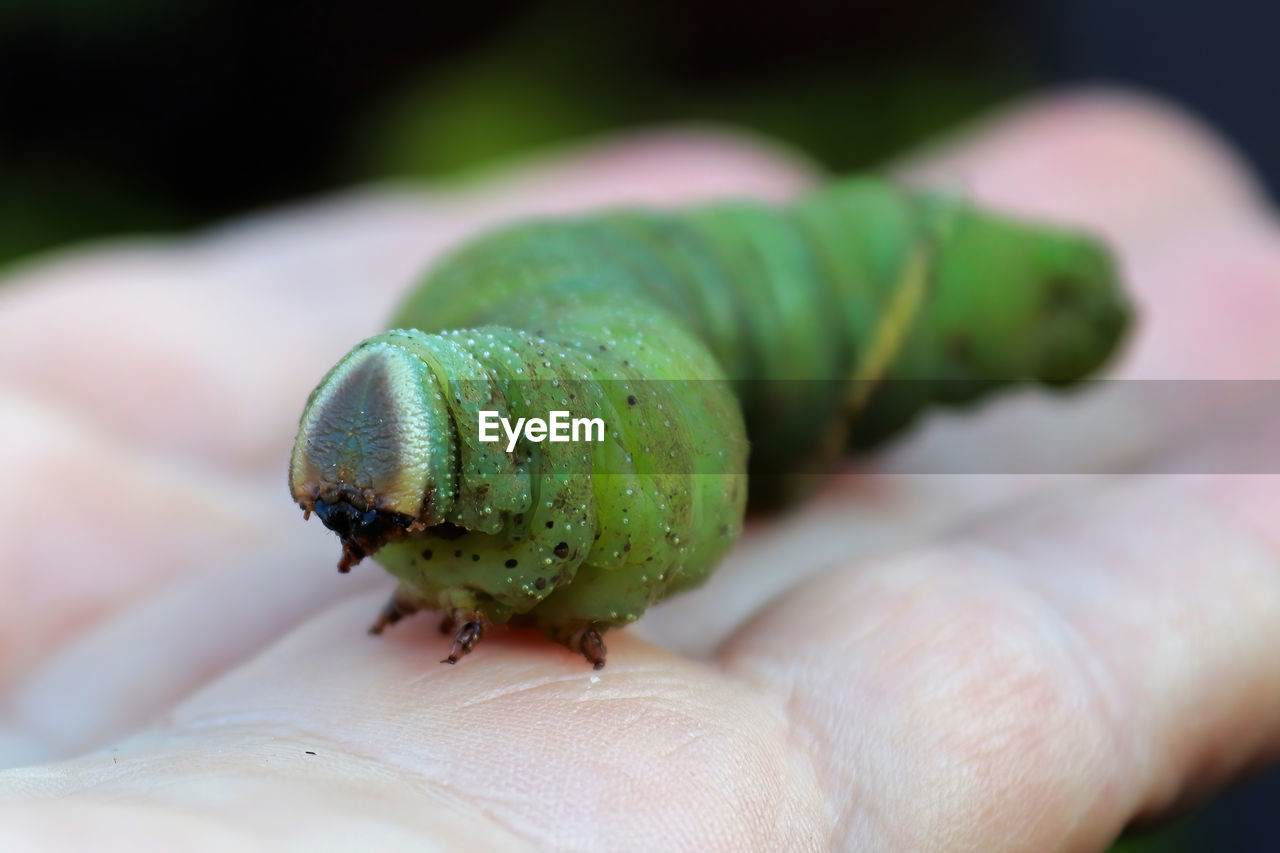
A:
[470,628]
[401,604]
[590,645]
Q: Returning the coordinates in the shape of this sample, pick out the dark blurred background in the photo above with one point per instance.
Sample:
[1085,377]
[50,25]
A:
[154,115]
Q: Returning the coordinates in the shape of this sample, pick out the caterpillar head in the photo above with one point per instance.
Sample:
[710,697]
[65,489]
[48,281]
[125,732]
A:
[373,455]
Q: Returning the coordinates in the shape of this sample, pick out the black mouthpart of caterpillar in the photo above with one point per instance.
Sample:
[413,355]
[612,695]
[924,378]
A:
[361,531]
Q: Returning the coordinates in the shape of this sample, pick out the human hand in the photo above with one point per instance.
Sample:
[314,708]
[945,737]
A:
[987,662]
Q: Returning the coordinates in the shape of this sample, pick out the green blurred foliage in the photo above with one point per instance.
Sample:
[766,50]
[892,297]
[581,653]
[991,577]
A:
[52,203]
[559,77]
[498,110]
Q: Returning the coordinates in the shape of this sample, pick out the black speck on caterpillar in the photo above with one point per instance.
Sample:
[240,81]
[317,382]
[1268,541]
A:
[801,332]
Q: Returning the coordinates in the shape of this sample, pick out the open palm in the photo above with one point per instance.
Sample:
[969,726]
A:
[909,661]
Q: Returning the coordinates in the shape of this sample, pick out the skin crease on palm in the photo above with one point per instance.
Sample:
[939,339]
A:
[906,662]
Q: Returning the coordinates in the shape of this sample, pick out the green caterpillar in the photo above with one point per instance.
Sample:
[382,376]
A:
[800,332]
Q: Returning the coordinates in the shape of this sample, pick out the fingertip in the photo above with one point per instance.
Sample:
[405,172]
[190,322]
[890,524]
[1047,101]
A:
[663,167]
[1107,158]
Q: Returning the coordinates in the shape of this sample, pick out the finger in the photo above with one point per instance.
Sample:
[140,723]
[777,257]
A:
[231,807]
[521,740]
[1041,680]
[1125,164]
[89,522]
[137,585]
[241,322]
[130,665]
